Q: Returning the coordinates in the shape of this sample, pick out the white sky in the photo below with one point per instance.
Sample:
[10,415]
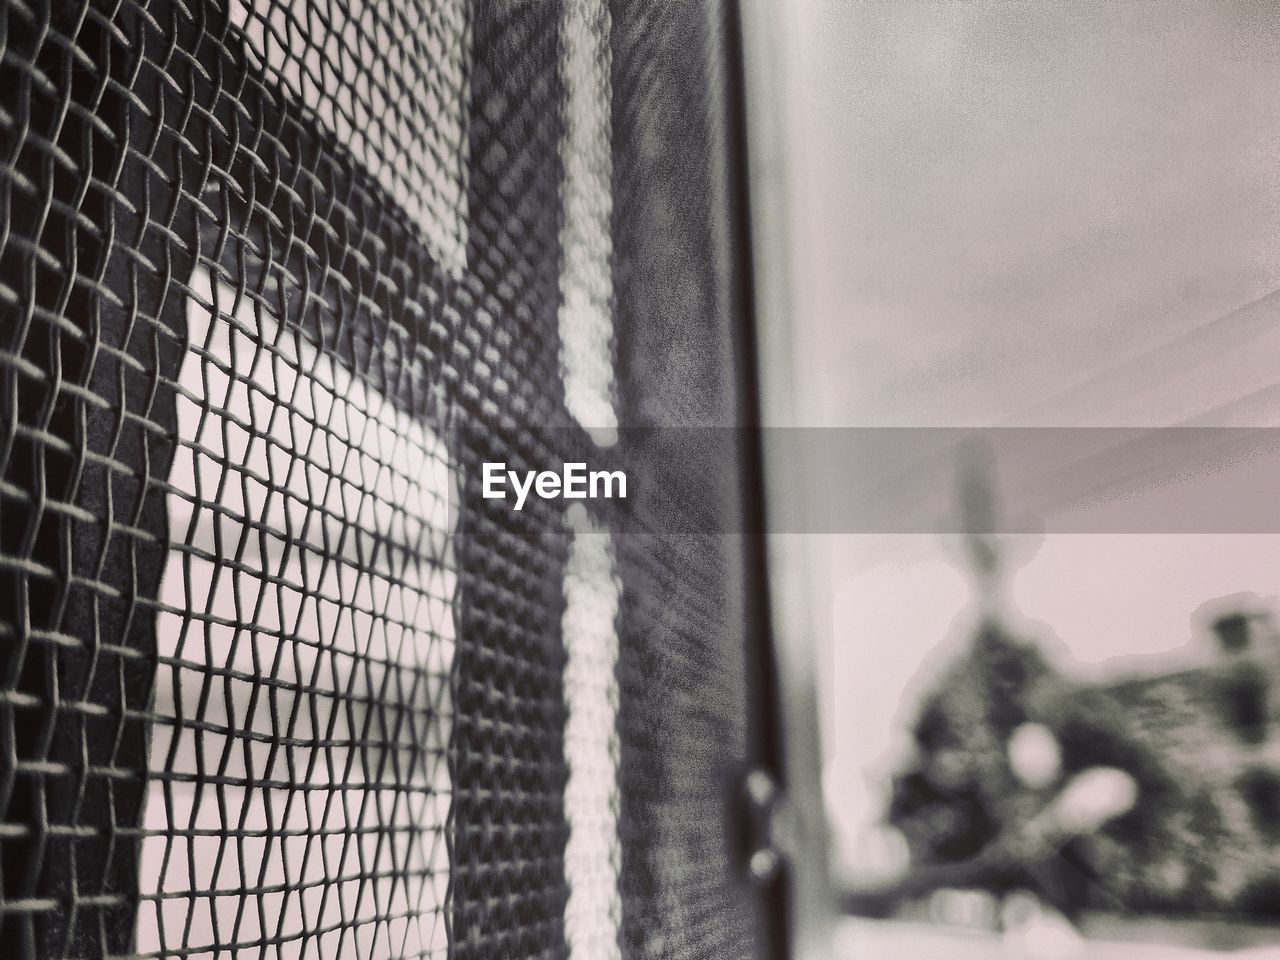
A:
[995,200]
[1028,213]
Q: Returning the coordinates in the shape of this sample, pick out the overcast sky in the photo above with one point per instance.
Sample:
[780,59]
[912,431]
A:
[997,199]
[1029,212]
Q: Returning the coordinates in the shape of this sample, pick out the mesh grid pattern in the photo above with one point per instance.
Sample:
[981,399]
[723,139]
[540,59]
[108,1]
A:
[305,638]
[386,79]
[683,675]
[276,277]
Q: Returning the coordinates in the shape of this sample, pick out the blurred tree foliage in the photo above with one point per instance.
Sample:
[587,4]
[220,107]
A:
[1189,845]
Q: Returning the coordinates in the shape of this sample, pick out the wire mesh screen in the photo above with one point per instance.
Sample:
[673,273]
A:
[277,277]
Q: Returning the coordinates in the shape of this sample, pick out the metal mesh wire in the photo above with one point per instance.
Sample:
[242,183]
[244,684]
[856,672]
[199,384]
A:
[304,639]
[277,276]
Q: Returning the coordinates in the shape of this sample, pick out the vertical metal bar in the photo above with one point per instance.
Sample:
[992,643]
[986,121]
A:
[507,823]
[787,568]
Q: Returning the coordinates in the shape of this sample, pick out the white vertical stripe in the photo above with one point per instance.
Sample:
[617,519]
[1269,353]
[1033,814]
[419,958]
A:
[340,614]
[593,914]
[593,855]
[586,285]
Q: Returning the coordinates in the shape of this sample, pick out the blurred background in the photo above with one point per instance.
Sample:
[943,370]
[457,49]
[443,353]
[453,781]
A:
[1041,215]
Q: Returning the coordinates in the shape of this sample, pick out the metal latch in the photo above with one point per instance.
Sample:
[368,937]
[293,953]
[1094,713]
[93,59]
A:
[761,800]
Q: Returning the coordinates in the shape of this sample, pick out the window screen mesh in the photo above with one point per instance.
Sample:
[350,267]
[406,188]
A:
[276,277]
